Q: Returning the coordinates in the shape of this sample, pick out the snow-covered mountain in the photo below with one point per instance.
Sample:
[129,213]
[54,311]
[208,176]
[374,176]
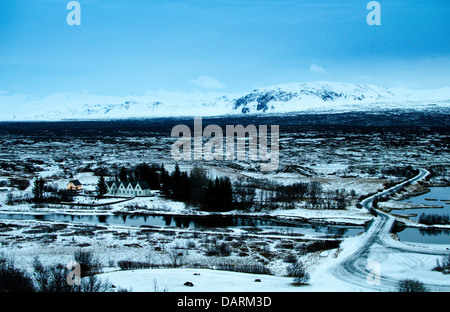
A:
[311,97]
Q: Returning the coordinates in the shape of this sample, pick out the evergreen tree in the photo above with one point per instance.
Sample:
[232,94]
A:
[198,184]
[38,190]
[224,194]
[142,172]
[185,191]
[166,182]
[219,195]
[176,183]
[123,174]
[154,179]
[102,188]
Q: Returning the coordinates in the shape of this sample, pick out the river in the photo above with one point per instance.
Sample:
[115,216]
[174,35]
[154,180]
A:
[194,222]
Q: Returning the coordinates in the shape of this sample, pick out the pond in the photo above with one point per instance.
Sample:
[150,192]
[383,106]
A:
[201,222]
[427,236]
[438,196]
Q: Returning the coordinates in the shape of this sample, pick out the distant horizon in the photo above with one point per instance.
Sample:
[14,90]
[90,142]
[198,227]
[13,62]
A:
[169,90]
[164,103]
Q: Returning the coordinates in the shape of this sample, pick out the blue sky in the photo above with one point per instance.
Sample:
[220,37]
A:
[130,47]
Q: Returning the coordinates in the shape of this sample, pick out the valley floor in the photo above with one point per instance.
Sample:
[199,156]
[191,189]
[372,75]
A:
[359,160]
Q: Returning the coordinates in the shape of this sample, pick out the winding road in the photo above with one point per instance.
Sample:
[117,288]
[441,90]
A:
[377,242]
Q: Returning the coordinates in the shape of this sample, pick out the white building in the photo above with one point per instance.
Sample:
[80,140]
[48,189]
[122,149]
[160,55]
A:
[128,188]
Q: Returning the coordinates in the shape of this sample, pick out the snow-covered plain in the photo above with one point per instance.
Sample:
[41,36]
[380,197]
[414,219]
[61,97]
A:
[392,266]
[113,243]
[337,158]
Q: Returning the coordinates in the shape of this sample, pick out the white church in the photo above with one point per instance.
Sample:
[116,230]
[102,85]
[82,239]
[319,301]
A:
[118,188]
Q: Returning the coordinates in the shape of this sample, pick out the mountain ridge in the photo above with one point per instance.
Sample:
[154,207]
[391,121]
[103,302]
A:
[312,97]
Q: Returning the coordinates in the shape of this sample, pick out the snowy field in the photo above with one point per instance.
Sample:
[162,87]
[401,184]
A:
[392,266]
[358,161]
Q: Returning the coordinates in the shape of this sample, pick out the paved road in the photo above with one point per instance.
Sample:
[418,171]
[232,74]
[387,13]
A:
[377,239]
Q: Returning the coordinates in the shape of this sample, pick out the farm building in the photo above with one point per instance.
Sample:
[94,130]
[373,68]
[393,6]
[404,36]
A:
[74,185]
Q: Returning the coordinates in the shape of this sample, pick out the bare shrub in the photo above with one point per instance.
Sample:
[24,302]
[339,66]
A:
[219,249]
[319,246]
[88,262]
[290,258]
[244,268]
[54,279]
[411,285]
[443,265]
[298,272]
[13,279]
[176,257]
[133,265]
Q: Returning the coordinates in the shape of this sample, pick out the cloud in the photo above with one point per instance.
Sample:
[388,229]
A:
[208,82]
[317,69]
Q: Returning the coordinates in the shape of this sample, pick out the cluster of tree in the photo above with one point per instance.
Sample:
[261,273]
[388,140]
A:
[193,187]
[310,191]
[271,195]
[54,278]
[41,193]
[401,172]
[20,184]
[212,194]
[335,199]
[18,166]
[433,218]
[13,279]
[142,173]
[198,189]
